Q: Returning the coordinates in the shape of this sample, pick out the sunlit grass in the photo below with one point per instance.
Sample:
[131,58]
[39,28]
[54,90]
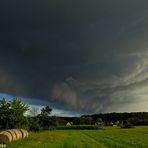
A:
[108,137]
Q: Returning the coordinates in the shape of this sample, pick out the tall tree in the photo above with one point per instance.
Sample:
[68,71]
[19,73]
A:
[5,113]
[45,120]
[46,111]
[12,113]
[18,109]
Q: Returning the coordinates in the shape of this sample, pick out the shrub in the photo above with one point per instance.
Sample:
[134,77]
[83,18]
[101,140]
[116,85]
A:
[127,126]
[34,125]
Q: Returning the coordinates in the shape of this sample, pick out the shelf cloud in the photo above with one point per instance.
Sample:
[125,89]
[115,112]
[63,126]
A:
[81,56]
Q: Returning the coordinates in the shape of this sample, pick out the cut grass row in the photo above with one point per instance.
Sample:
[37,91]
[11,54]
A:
[109,137]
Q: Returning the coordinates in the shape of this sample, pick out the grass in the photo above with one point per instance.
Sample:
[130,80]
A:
[108,137]
[80,127]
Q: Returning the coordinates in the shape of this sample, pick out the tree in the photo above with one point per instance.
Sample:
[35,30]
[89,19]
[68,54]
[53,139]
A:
[34,124]
[46,111]
[12,113]
[18,108]
[86,120]
[77,121]
[98,120]
[45,120]
[5,113]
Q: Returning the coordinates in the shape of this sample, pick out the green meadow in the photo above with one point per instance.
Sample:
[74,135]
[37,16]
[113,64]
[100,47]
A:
[108,137]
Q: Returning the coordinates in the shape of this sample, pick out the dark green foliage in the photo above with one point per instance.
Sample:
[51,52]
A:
[46,111]
[126,124]
[141,122]
[82,121]
[138,121]
[80,127]
[12,116]
[98,120]
[34,124]
[46,121]
[5,114]
[12,113]
[113,117]
[87,120]
[77,121]
[18,108]
[61,122]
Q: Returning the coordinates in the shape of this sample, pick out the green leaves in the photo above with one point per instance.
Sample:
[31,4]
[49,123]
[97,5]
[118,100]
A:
[18,107]
[12,113]
[46,110]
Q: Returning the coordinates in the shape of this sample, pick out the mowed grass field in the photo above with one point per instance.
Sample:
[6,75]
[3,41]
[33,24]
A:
[108,137]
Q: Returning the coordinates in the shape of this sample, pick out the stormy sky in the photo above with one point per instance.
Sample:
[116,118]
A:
[79,56]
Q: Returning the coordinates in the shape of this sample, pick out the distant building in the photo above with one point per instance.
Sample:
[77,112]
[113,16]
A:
[111,123]
[69,123]
[99,123]
[117,123]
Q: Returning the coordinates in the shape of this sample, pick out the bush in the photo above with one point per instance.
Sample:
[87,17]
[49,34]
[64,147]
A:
[141,122]
[127,126]
[34,125]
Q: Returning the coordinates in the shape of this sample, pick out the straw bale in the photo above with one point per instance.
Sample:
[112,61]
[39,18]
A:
[27,133]
[24,133]
[14,137]
[17,133]
[5,136]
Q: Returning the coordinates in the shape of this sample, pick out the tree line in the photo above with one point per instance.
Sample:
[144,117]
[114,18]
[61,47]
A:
[135,118]
[13,115]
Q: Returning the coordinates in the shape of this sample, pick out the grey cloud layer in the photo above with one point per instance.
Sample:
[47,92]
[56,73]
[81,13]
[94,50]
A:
[82,56]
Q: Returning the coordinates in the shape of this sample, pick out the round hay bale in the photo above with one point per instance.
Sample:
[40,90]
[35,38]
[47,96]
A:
[27,133]
[14,137]
[5,136]
[24,133]
[17,133]
[20,134]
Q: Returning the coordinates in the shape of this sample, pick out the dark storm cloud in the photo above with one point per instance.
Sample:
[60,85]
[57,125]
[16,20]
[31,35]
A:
[80,55]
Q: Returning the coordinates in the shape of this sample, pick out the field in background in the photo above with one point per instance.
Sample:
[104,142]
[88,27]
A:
[108,137]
